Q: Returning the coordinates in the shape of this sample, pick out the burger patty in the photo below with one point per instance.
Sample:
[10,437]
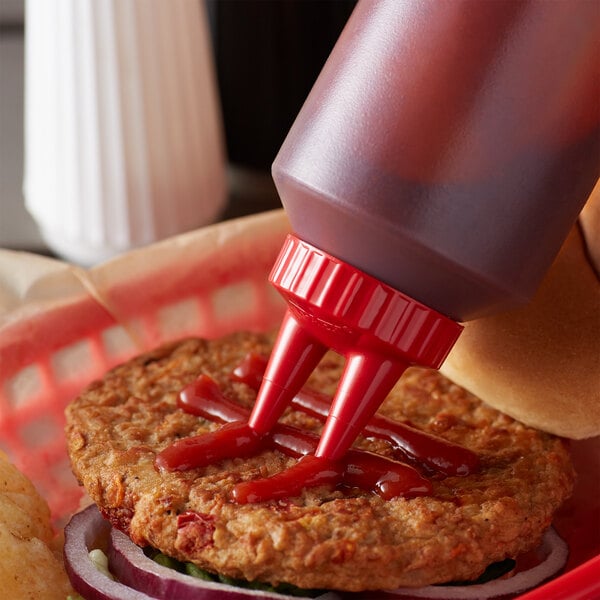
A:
[344,539]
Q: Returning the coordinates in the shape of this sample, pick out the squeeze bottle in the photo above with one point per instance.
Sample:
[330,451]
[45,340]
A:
[430,178]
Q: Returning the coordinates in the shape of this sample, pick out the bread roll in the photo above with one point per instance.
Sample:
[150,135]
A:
[540,364]
[590,224]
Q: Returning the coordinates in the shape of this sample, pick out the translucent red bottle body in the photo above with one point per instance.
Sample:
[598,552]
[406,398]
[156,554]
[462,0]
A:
[445,151]
[448,147]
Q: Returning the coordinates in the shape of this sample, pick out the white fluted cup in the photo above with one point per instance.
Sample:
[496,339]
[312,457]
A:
[123,132]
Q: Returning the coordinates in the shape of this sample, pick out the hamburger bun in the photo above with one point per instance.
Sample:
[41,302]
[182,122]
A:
[540,363]
[590,225]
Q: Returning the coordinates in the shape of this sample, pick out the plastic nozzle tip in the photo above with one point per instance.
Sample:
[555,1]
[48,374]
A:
[294,357]
[270,403]
[365,383]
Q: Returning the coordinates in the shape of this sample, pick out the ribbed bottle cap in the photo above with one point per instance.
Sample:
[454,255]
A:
[379,330]
[349,310]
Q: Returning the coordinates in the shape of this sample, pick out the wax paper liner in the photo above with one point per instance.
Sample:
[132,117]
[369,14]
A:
[62,326]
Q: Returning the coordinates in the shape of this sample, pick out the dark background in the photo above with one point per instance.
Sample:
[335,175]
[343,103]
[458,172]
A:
[268,53]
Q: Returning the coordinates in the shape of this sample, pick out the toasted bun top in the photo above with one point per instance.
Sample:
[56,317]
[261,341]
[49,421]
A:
[540,364]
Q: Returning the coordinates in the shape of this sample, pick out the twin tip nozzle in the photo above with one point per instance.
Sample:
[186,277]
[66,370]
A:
[379,330]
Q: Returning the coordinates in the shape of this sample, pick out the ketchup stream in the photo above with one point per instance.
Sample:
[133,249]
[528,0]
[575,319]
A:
[419,446]
[387,477]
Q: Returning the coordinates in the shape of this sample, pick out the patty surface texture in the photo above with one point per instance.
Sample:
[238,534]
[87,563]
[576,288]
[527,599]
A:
[326,538]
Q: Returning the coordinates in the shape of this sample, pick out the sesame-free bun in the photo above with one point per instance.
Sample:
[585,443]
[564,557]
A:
[540,363]
[590,225]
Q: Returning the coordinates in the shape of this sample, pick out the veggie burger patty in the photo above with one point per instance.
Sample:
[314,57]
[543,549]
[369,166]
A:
[333,538]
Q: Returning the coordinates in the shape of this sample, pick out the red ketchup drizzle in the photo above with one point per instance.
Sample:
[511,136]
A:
[385,476]
[417,446]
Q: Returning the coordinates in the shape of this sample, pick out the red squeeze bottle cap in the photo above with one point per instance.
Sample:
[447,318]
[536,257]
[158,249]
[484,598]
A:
[378,329]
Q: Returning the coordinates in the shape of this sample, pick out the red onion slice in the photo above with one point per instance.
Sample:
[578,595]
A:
[141,578]
[553,546]
[132,567]
[82,534]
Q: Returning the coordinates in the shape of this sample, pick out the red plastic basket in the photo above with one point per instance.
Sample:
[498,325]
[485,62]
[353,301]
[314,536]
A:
[67,326]
[75,324]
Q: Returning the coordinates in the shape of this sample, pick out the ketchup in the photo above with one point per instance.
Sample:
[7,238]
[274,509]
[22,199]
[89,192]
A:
[416,446]
[387,477]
